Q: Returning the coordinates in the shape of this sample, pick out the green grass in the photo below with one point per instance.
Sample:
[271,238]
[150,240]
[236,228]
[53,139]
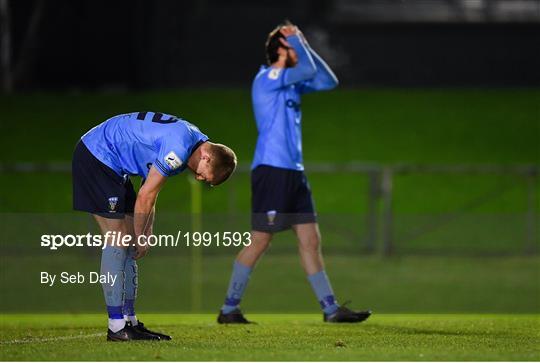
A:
[462,213]
[279,337]
[372,126]
[408,284]
[421,126]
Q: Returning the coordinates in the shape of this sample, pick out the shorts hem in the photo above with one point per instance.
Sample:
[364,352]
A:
[108,215]
[291,220]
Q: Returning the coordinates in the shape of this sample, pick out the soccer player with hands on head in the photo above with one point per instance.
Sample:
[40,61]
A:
[281,195]
[152,145]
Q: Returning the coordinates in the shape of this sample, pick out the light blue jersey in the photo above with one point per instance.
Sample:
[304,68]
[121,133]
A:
[131,143]
[276,103]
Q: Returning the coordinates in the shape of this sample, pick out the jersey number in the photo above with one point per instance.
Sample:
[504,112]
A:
[158,117]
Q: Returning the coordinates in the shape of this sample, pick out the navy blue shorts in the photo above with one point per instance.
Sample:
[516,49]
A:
[98,189]
[280,198]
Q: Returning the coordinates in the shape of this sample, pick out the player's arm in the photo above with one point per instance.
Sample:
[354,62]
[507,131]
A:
[305,69]
[324,78]
[150,228]
[143,218]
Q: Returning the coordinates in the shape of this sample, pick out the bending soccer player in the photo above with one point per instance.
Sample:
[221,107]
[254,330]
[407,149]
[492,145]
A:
[281,196]
[154,146]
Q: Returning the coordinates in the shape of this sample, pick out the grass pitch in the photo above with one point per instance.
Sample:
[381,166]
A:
[407,284]
[278,337]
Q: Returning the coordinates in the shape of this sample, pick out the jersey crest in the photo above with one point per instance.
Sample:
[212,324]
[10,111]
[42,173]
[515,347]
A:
[274,73]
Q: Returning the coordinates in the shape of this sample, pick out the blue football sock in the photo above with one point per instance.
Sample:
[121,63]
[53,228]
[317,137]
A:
[321,286]
[237,286]
[130,286]
[112,263]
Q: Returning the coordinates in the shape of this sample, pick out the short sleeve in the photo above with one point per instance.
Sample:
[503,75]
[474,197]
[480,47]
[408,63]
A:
[172,156]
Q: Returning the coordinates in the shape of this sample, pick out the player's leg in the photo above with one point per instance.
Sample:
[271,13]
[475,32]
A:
[242,268]
[307,231]
[131,279]
[131,270]
[113,263]
[309,246]
[249,255]
[99,190]
[265,201]
[113,258]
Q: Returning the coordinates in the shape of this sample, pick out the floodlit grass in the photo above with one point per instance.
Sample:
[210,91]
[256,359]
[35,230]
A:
[278,337]
[408,284]
[375,126]
[423,126]
[370,125]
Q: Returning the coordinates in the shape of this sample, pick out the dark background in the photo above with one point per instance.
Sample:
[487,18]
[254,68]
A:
[137,44]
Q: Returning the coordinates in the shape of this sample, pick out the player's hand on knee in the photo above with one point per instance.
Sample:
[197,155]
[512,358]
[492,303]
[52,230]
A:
[141,250]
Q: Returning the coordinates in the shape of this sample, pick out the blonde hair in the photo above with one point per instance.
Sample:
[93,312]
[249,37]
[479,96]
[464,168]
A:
[223,161]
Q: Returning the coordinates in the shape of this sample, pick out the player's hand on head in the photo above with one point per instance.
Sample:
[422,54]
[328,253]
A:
[289,30]
[285,43]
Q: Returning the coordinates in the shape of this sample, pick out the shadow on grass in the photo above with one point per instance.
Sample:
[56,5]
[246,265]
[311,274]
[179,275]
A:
[393,329]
